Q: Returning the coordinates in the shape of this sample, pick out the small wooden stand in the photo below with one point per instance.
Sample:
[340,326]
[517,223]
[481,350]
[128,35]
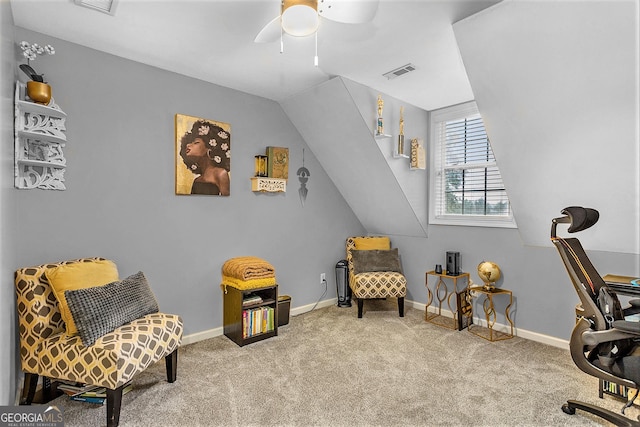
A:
[233,312]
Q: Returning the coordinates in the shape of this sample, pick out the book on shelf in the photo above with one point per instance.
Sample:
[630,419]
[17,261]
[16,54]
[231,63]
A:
[616,389]
[94,400]
[96,394]
[71,388]
[251,300]
[278,162]
[257,321]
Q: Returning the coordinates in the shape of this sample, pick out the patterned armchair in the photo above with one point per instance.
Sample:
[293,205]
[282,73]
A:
[48,350]
[382,277]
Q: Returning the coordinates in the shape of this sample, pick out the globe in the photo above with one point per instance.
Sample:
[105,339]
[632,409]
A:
[489,272]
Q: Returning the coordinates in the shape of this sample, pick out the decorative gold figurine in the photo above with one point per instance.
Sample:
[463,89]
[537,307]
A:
[380,129]
[401,135]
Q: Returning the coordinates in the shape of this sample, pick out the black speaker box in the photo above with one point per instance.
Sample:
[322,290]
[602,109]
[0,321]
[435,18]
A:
[453,263]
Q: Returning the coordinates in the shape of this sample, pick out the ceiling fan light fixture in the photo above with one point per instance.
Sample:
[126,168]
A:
[300,17]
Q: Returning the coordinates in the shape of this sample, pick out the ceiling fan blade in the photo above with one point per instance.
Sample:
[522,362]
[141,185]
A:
[348,12]
[270,32]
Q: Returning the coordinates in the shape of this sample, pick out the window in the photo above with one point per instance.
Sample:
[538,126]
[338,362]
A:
[466,186]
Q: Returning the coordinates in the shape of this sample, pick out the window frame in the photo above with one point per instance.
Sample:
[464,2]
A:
[455,112]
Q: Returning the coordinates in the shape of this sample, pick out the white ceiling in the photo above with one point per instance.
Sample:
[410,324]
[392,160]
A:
[213,41]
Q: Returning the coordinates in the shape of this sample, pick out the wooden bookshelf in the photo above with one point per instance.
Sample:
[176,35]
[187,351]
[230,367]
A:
[237,317]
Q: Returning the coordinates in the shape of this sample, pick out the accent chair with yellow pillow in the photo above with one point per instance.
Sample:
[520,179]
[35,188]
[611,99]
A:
[78,322]
[73,276]
[375,270]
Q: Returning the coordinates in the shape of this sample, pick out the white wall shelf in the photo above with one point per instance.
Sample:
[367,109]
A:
[268,185]
[399,156]
[39,136]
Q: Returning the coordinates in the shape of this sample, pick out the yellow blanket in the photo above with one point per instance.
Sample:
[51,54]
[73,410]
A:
[246,284]
[248,268]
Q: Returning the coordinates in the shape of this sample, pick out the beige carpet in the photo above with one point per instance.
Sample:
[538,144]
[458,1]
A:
[328,368]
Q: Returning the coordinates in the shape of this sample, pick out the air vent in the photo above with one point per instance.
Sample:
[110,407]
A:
[399,71]
[105,6]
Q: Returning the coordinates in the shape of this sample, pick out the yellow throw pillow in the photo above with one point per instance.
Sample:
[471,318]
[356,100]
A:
[79,275]
[369,243]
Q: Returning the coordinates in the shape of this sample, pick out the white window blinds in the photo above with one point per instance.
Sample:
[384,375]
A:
[467,180]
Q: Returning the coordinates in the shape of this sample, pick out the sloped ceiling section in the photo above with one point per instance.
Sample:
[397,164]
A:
[342,140]
[557,86]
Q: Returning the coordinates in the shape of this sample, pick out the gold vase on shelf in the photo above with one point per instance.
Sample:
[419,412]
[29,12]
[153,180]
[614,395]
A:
[39,92]
[37,89]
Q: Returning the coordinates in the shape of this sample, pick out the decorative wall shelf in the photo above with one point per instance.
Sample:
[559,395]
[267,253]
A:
[269,185]
[382,136]
[399,156]
[39,135]
[398,148]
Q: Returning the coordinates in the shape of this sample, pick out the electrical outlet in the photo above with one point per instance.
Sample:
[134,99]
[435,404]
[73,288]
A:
[322,278]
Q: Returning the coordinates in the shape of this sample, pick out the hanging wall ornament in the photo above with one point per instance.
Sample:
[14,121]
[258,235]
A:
[303,177]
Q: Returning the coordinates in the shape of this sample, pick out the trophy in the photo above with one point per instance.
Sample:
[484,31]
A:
[400,148]
[380,129]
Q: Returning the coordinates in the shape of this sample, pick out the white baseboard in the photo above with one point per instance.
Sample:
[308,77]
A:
[216,332]
[201,336]
[523,333]
[306,308]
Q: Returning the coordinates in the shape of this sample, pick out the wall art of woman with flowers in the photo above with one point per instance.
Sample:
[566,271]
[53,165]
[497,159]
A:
[205,150]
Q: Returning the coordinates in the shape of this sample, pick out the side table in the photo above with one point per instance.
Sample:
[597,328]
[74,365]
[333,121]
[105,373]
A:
[488,307]
[441,293]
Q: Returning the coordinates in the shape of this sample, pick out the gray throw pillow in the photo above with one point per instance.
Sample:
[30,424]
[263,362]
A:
[99,310]
[368,261]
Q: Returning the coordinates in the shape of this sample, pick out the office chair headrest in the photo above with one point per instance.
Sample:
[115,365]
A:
[581,218]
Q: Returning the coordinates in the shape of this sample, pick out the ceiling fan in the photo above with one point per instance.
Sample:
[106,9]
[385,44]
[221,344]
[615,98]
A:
[301,18]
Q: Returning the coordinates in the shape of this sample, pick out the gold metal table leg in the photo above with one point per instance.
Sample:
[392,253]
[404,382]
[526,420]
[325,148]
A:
[488,332]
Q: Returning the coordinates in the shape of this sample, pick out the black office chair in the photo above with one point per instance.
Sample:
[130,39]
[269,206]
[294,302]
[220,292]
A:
[602,342]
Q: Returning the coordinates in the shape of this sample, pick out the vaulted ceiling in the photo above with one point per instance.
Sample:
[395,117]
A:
[214,41]
[556,83]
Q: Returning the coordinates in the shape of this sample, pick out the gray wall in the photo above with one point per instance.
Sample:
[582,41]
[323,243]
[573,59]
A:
[557,84]
[120,200]
[332,117]
[544,299]
[8,348]
[416,121]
